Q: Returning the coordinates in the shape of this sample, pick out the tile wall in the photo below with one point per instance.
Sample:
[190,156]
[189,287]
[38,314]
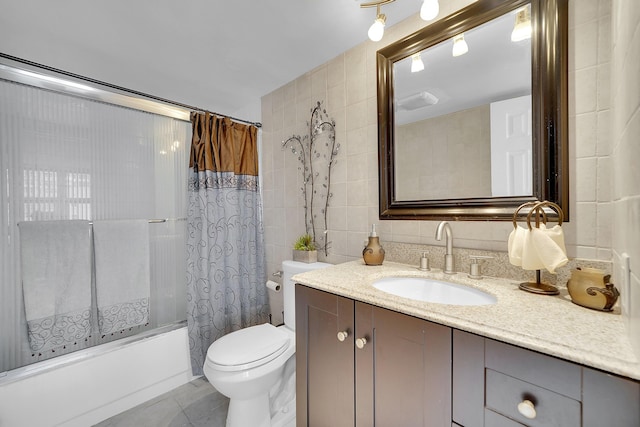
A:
[461,166]
[625,157]
[346,86]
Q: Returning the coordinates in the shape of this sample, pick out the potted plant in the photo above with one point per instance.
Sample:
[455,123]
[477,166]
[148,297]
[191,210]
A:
[304,250]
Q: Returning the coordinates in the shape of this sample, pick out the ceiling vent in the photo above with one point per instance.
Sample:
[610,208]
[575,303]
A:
[418,100]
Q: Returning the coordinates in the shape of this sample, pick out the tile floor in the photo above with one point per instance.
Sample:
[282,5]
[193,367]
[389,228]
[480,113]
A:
[195,404]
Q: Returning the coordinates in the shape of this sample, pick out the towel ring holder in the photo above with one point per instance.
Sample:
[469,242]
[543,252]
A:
[524,205]
[540,213]
[537,209]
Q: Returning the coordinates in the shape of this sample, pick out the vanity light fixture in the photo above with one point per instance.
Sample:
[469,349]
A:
[376,31]
[416,63]
[429,9]
[460,46]
[522,27]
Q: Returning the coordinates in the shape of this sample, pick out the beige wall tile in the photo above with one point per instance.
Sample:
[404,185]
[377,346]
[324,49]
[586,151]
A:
[336,72]
[358,219]
[586,187]
[319,85]
[604,86]
[603,229]
[581,52]
[585,134]
[356,115]
[351,100]
[357,194]
[603,144]
[586,87]
[581,11]
[605,180]
[625,129]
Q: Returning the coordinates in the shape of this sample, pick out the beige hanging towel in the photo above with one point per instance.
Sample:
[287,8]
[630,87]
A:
[56,282]
[515,245]
[122,273]
[549,245]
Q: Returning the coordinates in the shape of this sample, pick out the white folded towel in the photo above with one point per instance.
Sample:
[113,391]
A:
[549,245]
[56,281]
[122,273]
[515,245]
[543,248]
[530,258]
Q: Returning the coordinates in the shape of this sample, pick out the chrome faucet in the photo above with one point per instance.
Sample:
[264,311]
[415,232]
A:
[448,256]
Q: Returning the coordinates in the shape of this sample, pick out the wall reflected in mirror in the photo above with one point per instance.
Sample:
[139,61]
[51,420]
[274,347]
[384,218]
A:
[463,123]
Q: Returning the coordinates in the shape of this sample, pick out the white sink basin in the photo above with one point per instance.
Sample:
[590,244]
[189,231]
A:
[421,289]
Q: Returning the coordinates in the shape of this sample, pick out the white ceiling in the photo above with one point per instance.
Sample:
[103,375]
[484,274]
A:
[494,69]
[213,54]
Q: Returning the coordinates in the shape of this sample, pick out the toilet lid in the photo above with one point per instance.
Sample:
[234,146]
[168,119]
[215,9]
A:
[248,348]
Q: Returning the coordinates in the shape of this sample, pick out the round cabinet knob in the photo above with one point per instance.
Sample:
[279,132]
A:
[527,409]
[342,335]
[361,342]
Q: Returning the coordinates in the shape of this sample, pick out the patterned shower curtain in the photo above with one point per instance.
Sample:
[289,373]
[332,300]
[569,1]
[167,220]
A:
[225,240]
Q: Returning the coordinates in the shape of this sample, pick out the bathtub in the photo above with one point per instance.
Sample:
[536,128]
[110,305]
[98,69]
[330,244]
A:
[86,387]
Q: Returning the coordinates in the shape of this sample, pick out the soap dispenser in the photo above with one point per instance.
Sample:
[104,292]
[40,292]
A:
[373,254]
[424,262]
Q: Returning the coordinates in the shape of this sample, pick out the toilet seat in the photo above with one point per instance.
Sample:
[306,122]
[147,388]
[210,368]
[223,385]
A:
[247,348]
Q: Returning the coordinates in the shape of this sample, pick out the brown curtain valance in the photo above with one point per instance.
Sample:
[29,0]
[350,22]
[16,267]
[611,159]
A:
[219,144]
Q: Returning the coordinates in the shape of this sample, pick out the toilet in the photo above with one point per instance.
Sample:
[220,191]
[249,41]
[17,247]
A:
[255,366]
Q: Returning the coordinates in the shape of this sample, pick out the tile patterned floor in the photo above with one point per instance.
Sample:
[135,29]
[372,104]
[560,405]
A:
[195,404]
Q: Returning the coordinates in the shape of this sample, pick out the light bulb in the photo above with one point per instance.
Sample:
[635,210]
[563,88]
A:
[522,27]
[376,31]
[429,9]
[416,63]
[460,46]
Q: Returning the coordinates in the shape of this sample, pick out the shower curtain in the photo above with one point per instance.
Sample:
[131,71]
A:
[225,238]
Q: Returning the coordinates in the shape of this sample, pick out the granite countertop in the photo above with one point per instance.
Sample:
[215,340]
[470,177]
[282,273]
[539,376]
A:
[549,324]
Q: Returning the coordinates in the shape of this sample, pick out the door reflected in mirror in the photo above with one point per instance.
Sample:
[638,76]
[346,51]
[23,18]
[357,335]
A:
[463,116]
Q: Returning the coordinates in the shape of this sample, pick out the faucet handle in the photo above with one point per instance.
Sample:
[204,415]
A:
[475,271]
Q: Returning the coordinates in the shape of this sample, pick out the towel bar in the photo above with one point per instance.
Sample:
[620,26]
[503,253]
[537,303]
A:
[153,221]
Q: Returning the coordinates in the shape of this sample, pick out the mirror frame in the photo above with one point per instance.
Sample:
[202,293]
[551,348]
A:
[549,75]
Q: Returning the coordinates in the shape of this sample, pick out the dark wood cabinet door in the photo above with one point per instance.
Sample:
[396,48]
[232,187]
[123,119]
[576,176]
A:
[388,369]
[365,379]
[609,400]
[468,379]
[325,393]
[403,374]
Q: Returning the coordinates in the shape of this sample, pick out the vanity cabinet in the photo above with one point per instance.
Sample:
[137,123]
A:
[362,365]
[500,385]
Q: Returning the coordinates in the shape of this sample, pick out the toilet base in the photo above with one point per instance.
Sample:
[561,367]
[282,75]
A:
[286,417]
[255,413]
[252,412]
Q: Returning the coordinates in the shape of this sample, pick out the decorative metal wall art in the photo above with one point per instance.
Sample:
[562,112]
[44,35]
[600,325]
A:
[316,151]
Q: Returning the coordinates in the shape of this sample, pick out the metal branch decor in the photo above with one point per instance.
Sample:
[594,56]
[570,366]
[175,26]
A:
[316,153]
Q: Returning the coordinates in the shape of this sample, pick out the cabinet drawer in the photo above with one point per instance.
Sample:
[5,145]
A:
[491,419]
[544,371]
[503,394]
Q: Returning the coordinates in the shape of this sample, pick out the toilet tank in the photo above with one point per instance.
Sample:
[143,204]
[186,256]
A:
[290,269]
